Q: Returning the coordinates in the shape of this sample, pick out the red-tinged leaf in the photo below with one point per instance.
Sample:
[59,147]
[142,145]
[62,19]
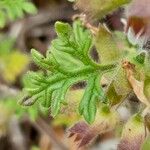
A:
[137,24]
[87,138]
[131,145]
[83,134]
[133,134]
[139,8]
[79,128]
[138,15]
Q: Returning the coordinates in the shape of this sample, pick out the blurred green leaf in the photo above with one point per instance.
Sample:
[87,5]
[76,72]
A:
[29,8]
[13,9]
[11,68]
[100,8]
[146,144]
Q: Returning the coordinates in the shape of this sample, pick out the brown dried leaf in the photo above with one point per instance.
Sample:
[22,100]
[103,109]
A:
[45,143]
[147,120]
[137,86]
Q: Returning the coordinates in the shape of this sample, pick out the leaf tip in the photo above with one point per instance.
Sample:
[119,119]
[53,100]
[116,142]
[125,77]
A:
[61,27]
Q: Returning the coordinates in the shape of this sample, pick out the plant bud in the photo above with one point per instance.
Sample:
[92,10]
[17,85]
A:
[133,134]
[138,23]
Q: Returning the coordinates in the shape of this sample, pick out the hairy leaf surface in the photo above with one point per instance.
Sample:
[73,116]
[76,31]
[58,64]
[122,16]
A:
[67,62]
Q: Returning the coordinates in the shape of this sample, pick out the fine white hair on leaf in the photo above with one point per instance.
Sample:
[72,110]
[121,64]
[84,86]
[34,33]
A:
[142,42]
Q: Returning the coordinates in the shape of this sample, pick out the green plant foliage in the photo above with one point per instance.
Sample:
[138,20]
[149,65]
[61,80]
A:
[133,134]
[9,67]
[146,144]
[69,113]
[35,148]
[9,109]
[113,49]
[67,62]
[12,68]
[12,108]
[107,46]
[13,9]
[100,8]
[5,115]
[6,45]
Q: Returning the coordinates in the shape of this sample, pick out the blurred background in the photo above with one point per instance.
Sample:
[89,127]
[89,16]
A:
[26,128]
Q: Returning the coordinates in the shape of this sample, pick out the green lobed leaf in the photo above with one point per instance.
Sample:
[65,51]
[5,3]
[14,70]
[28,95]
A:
[67,62]
[29,8]
[40,60]
[90,98]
